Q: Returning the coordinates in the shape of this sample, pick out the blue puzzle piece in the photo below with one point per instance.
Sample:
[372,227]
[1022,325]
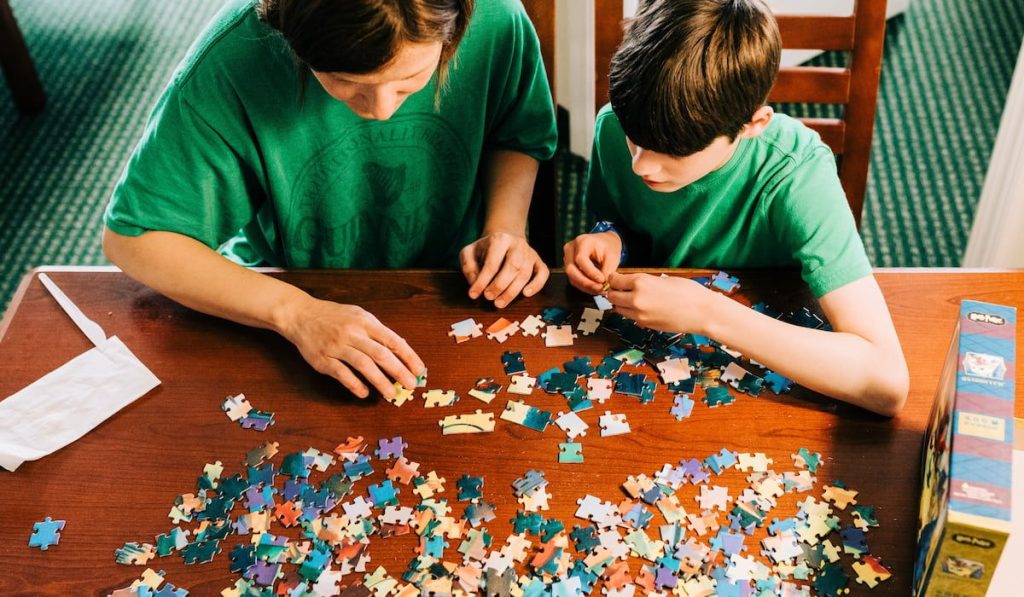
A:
[46,533]
[682,407]
[778,384]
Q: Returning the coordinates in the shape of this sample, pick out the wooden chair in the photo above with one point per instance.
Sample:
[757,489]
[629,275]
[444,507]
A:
[862,34]
[17,65]
[856,88]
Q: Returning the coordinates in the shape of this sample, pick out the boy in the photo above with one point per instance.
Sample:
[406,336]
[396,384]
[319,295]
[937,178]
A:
[691,169]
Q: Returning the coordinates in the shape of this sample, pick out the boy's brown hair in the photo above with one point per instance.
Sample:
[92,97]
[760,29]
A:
[689,71]
[361,36]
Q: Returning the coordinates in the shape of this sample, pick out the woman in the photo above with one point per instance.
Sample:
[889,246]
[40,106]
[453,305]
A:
[339,133]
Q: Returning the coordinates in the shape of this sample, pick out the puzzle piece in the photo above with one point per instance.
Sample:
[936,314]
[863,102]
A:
[571,424]
[257,419]
[46,533]
[402,471]
[778,384]
[870,571]
[512,363]
[840,496]
[599,389]
[725,283]
[579,366]
[531,326]
[517,411]
[135,554]
[479,422]
[402,394]
[590,321]
[236,407]
[613,424]
[485,389]
[674,370]
[754,462]
[436,398]
[258,456]
[522,385]
[682,407]
[390,448]
[555,315]
[502,330]
[804,458]
[718,396]
[570,453]
[713,498]
[470,488]
[465,330]
[558,335]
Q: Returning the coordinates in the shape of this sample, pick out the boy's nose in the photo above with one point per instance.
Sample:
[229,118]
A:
[643,165]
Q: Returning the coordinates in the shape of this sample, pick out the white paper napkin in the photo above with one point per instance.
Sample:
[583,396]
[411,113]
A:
[68,402]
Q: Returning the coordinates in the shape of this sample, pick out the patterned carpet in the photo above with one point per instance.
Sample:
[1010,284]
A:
[947,67]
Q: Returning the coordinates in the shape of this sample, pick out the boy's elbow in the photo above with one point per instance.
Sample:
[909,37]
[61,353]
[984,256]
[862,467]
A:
[892,390]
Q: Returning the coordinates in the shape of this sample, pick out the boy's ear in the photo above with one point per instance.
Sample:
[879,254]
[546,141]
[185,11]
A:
[758,122]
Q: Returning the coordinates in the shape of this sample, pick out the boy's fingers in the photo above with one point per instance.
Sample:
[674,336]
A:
[585,261]
[577,279]
[622,281]
[568,254]
[609,266]
[621,299]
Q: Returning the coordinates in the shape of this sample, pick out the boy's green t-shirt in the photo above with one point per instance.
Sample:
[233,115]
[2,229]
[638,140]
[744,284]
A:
[776,203]
[242,156]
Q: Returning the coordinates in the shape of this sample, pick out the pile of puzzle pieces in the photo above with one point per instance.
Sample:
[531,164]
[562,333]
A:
[304,526]
[689,366]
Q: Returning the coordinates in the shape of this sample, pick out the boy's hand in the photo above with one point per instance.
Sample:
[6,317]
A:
[591,258]
[500,265]
[341,340]
[669,304]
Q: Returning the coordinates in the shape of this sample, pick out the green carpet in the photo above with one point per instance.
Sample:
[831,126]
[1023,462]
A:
[947,67]
[103,63]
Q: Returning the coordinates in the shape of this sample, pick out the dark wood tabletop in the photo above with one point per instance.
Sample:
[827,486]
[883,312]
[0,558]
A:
[118,482]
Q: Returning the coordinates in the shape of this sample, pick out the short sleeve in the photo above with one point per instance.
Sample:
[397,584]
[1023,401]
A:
[526,117]
[184,177]
[809,215]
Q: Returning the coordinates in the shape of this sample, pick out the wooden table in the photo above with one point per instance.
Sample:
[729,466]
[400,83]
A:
[118,483]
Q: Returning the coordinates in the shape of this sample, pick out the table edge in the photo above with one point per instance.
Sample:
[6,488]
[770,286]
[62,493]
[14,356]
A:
[23,285]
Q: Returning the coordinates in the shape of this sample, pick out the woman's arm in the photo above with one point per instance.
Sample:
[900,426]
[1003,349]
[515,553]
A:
[337,340]
[501,264]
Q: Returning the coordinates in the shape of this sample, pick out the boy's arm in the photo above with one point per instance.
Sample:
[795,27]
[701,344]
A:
[860,362]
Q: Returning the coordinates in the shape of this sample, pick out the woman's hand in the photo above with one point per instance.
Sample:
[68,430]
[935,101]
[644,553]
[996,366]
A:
[590,259]
[342,340]
[501,265]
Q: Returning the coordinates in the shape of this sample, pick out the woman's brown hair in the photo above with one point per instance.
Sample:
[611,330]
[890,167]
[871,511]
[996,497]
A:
[361,36]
